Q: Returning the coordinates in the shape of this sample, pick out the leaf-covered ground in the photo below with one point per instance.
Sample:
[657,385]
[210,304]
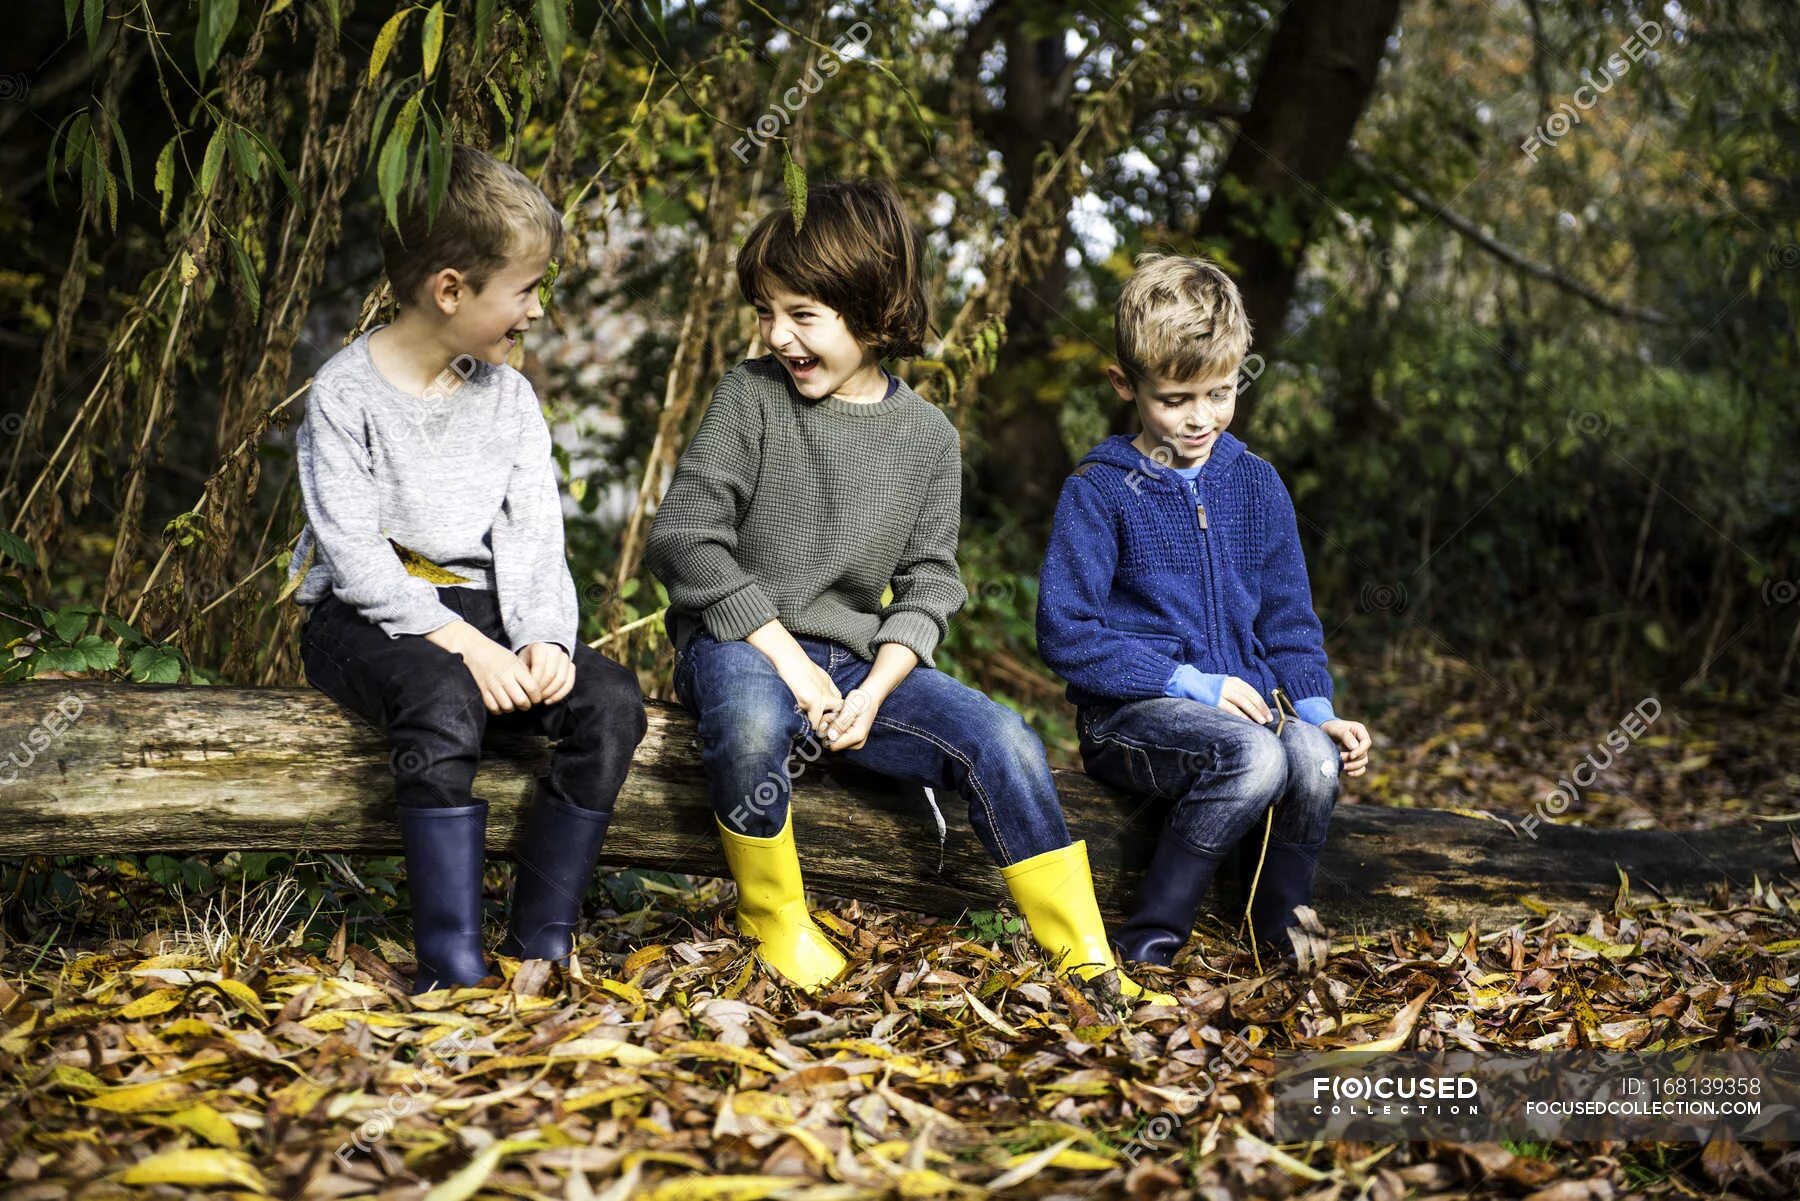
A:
[204,1047]
[941,1066]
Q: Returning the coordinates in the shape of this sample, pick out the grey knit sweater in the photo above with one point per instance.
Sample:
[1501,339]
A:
[806,511]
[464,480]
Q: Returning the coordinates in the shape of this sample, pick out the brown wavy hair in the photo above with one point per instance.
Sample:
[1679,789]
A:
[856,252]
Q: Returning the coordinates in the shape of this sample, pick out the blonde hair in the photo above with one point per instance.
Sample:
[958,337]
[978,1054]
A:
[489,212]
[1180,318]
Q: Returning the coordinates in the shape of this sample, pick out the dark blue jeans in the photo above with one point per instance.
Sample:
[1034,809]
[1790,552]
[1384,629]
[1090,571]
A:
[431,708]
[1221,772]
[932,730]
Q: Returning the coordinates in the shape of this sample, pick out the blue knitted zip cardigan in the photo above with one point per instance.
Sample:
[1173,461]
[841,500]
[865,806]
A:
[1145,573]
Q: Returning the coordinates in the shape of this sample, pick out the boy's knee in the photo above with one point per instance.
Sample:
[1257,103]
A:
[608,692]
[1005,732]
[763,729]
[1261,764]
[442,696]
[1313,762]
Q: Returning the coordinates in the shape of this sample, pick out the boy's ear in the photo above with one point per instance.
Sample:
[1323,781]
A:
[1120,383]
[447,289]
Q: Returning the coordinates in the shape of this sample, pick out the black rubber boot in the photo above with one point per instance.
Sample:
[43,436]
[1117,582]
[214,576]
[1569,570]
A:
[1287,881]
[1177,878]
[557,851]
[444,851]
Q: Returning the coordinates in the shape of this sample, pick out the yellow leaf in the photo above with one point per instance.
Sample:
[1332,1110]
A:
[65,1075]
[196,1166]
[1786,946]
[1021,1168]
[602,1096]
[742,1056]
[243,994]
[151,1004]
[418,565]
[629,1054]
[923,1182]
[468,1179]
[642,958]
[384,41]
[755,1104]
[625,992]
[990,1017]
[719,1188]
[208,1123]
[1595,946]
[1399,1030]
[331,1020]
[299,577]
[815,1146]
[148,1097]
[635,1158]
[1082,1161]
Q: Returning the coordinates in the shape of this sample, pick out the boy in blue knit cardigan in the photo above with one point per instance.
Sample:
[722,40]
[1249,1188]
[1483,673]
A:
[1174,601]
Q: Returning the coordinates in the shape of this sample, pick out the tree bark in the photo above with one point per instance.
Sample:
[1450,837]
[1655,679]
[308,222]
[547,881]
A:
[131,769]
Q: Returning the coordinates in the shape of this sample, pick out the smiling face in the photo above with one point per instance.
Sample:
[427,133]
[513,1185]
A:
[490,321]
[1183,418]
[816,347]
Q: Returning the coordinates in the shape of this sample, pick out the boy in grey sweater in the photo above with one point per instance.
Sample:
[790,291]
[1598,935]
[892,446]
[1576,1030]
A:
[432,570]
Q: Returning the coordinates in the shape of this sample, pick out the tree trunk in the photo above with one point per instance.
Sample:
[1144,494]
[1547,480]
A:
[146,768]
[1310,93]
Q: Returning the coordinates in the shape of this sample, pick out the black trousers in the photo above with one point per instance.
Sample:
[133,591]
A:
[431,708]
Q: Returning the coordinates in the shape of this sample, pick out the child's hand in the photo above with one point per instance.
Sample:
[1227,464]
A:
[814,688]
[849,727]
[1236,696]
[552,672]
[505,683]
[1353,736]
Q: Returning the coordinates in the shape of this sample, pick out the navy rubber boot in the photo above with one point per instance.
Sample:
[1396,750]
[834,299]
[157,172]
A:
[1287,882]
[444,853]
[557,852]
[1168,898]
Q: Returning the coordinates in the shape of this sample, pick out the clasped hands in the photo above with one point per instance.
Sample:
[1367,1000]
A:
[842,720]
[540,674]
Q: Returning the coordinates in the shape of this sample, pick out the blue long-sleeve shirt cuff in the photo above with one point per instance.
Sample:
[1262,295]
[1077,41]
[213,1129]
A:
[1315,709]
[1196,685]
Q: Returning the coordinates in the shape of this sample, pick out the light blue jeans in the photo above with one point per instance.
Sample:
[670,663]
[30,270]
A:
[932,730]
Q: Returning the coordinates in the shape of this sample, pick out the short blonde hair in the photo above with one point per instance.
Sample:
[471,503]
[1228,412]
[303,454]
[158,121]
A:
[489,212]
[1180,318]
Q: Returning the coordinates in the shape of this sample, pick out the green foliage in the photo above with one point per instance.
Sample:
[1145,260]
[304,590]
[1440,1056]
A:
[992,925]
[75,640]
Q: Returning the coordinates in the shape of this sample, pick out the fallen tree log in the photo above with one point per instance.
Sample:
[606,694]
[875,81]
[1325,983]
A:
[99,768]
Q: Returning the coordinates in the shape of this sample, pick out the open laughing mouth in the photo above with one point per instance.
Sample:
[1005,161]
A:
[800,365]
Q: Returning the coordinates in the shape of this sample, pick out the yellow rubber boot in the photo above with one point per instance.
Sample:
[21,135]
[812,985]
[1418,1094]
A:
[772,911]
[1055,892]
